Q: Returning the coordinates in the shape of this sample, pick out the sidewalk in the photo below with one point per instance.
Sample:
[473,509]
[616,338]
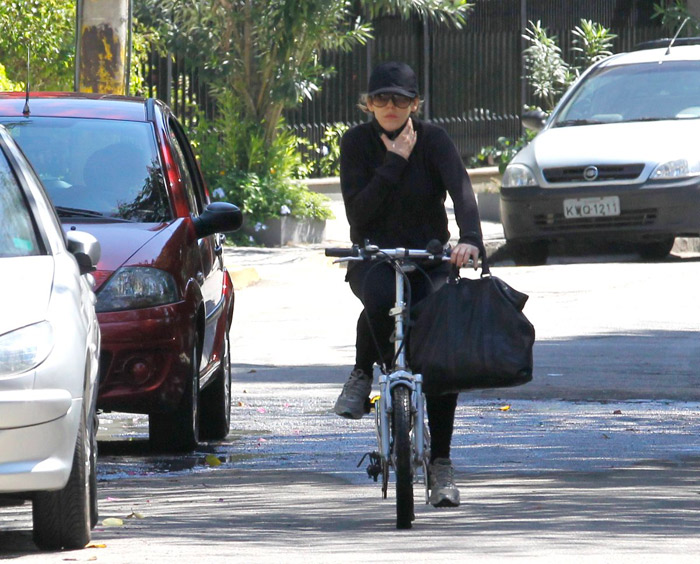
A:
[243,262]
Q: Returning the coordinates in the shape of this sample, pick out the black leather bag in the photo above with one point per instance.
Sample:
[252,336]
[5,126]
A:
[471,334]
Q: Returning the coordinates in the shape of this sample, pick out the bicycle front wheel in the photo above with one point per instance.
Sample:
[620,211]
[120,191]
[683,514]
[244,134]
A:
[401,456]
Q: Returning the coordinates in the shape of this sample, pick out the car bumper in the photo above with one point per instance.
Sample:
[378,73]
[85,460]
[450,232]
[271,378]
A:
[145,358]
[647,213]
[38,430]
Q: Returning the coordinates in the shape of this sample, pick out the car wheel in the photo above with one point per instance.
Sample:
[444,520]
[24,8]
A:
[62,518]
[529,254]
[215,405]
[178,430]
[657,249]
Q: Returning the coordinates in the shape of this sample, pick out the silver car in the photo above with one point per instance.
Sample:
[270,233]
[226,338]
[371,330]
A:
[49,360]
[617,160]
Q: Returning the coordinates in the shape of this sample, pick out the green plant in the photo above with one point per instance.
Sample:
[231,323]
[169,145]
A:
[502,152]
[323,158]
[673,13]
[592,42]
[263,183]
[549,75]
[5,83]
[47,29]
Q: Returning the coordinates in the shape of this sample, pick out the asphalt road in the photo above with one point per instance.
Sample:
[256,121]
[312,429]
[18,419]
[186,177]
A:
[596,460]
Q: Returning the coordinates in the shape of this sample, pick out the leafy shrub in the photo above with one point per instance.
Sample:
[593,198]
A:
[265,182]
[549,76]
[502,152]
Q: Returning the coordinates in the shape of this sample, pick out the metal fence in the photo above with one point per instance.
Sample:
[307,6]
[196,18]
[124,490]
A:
[472,79]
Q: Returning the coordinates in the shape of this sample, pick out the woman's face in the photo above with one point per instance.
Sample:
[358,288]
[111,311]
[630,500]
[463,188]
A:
[390,116]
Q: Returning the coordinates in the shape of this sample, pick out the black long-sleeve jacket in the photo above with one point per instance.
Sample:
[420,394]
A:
[398,203]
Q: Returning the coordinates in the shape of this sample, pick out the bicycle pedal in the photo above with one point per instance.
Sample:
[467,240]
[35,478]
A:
[374,468]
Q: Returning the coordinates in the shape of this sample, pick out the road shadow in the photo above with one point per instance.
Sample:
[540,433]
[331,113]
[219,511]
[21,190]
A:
[632,365]
[647,509]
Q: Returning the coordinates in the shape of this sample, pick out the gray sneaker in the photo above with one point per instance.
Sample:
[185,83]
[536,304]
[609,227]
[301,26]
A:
[443,492]
[351,401]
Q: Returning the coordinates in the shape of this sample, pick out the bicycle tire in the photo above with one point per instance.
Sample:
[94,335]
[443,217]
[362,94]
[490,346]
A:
[402,456]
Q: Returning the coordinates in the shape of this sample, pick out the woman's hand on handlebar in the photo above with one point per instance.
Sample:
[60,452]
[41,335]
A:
[461,254]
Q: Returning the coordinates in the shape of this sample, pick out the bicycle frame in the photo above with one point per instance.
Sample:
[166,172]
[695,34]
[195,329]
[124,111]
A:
[400,374]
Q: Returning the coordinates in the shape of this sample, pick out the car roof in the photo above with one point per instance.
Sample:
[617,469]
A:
[74,104]
[656,55]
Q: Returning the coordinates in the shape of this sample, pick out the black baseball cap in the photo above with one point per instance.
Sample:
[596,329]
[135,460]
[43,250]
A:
[393,78]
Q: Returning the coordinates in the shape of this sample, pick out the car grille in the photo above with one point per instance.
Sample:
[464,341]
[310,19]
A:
[605,173]
[557,222]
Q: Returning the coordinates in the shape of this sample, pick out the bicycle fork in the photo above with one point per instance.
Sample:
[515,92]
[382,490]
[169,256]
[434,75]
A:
[383,413]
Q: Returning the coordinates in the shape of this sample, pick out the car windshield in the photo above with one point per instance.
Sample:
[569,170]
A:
[17,232]
[635,92]
[96,168]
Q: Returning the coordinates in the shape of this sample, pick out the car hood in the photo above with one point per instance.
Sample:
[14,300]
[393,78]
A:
[650,142]
[26,294]
[119,241]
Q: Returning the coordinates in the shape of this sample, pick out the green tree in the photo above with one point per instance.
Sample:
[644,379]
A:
[262,56]
[267,52]
[47,28]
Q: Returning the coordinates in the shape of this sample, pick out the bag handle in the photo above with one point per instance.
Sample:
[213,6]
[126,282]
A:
[485,269]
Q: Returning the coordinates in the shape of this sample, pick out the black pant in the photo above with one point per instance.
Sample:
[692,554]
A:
[375,285]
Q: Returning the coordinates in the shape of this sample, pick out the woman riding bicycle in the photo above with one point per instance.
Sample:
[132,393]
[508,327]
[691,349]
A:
[395,173]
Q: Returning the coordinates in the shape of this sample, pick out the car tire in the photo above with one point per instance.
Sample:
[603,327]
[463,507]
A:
[62,518]
[178,430]
[656,250]
[94,512]
[215,405]
[529,254]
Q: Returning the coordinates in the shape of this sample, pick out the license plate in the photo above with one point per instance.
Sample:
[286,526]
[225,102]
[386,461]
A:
[591,207]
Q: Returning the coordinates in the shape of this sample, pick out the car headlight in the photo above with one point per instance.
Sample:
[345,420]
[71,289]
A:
[676,169]
[517,175]
[25,348]
[135,287]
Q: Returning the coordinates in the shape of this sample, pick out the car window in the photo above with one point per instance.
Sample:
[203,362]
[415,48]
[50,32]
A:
[185,164]
[636,92]
[18,237]
[96,167]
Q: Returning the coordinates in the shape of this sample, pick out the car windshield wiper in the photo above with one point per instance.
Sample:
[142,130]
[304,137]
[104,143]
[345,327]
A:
[570,122]
[650,119]
[64,211]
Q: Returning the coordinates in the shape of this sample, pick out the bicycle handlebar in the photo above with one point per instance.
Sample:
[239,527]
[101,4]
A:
[435,251]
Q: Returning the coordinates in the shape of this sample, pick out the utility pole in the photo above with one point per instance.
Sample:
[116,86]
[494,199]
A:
[103,46]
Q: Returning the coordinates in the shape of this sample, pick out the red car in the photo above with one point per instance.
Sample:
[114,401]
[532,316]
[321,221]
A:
[123,170]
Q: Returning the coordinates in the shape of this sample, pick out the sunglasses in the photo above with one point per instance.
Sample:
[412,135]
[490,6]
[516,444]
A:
[399,101]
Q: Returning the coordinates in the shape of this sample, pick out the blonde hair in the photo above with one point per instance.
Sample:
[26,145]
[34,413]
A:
[364,97]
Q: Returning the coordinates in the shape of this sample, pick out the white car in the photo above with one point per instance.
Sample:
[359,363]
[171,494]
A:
[616,161]
[49,360]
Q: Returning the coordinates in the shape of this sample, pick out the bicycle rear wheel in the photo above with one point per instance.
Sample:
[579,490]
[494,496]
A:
[401,456]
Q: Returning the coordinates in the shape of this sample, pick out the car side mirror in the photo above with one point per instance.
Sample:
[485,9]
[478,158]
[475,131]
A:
[534,119]
[219,217]
[85,248]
